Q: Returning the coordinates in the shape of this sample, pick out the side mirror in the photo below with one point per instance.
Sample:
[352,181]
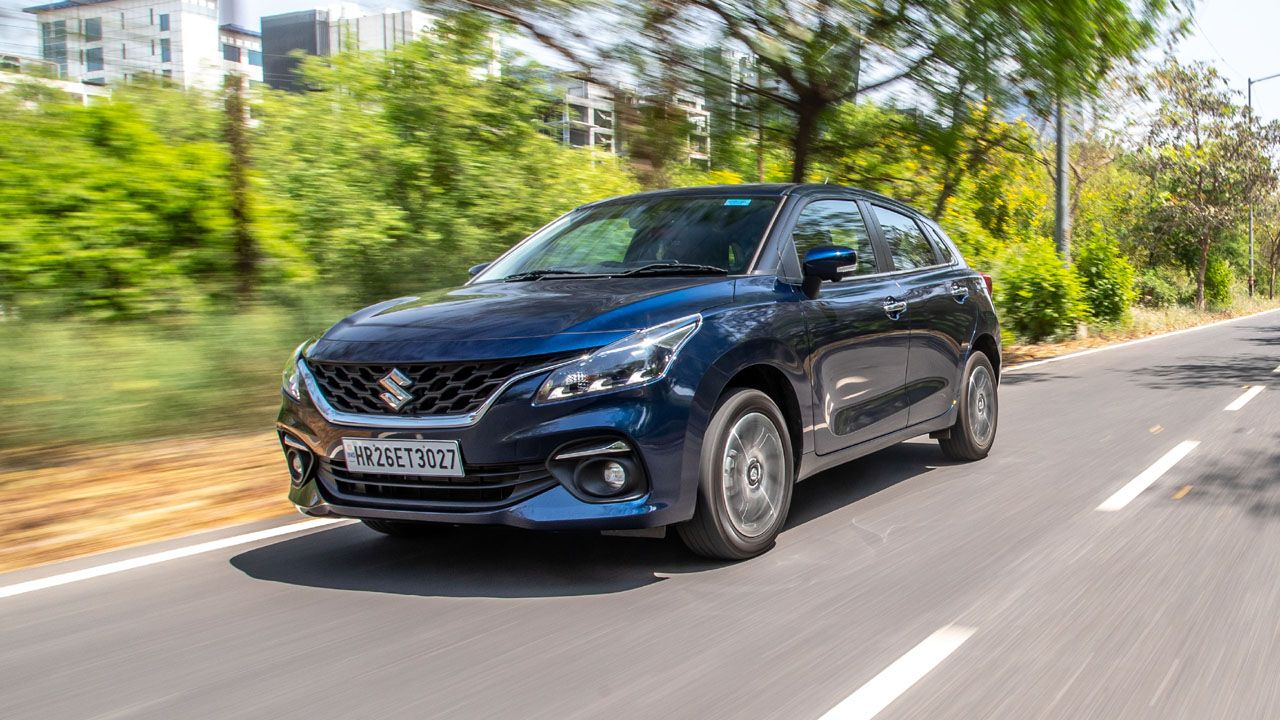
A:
[477,269]
[827,262]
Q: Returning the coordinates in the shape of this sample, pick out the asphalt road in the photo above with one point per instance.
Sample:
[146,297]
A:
[904,585]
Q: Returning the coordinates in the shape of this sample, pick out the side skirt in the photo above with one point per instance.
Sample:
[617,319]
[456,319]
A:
[811,464]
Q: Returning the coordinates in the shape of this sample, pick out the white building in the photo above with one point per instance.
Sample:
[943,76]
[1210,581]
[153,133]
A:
[588,119]
[108,41]
[344,27]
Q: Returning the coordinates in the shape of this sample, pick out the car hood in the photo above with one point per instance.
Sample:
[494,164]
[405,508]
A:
[492,320]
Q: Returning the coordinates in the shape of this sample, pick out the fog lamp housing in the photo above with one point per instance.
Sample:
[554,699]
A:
[599,470]
[298,458]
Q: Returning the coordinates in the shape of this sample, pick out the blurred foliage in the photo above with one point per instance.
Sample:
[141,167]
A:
[1218,280]
[1106,277]
[396,175]
[111,210]
[1161,288]
[1038,296]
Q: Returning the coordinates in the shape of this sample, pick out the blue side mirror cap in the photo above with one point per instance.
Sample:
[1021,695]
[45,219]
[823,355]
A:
[830,262]
[477,269]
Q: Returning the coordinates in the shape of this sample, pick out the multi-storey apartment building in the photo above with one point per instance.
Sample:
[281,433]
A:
[588,118]
[101,42]
[335,29]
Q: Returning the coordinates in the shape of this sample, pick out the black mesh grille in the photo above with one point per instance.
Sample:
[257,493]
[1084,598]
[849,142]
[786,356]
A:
[484,487]
[453,388]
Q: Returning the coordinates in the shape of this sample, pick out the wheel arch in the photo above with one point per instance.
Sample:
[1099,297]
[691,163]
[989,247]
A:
[987,345]
[773,382]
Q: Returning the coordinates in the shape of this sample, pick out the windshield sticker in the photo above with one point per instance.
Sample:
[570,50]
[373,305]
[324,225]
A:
[737,202]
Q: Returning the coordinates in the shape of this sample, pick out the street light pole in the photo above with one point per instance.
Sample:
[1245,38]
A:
[1251,83]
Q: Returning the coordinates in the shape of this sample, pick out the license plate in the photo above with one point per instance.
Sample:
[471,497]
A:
[403,457]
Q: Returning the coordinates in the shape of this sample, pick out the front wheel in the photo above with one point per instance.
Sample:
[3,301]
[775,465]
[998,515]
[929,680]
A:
[747,472]
[974,433]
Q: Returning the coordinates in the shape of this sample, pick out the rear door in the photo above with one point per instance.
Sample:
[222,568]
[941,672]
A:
[938,290]
[858,348]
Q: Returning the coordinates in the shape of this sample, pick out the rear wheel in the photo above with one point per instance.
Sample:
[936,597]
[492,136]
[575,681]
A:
[974,433]
[402,528]
[747,472]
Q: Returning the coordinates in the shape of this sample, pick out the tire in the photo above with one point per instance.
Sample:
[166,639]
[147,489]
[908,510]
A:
[974,433]
[746,475]
[402,528]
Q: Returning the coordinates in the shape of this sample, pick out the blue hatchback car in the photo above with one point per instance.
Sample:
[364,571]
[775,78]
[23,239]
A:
[677,358]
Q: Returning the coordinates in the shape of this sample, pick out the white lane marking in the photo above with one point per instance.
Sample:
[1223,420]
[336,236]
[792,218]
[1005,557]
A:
[1248,395]
[1134,487]
[165,556]
[870,699]
[1277,370]
[1127,343]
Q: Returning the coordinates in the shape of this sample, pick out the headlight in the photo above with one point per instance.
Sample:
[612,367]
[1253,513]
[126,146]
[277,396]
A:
[291,378]
[635,360]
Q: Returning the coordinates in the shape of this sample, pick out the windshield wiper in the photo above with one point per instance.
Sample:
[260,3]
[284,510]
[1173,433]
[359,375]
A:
[541,274]
[662,268]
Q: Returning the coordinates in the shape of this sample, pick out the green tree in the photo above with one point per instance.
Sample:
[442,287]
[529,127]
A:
[401,170]
[1206,161]
[106,211]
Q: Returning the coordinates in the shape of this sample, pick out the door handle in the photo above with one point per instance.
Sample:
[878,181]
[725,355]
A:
[893,308]
[959,291]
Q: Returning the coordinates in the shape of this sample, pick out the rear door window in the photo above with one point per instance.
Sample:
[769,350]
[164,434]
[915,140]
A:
[908,246]
[835,222]
[944,247]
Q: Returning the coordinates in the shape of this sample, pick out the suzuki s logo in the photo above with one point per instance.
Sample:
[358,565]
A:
[396,385]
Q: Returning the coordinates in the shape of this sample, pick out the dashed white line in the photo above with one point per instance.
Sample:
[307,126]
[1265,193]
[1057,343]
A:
[870,699]
[1248,395]
[165,556]
[1134,487]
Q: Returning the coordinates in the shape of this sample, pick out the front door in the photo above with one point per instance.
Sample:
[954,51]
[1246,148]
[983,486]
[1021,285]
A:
[858,334]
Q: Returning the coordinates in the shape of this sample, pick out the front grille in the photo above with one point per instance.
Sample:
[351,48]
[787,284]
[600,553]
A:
[452,388]
[484,487]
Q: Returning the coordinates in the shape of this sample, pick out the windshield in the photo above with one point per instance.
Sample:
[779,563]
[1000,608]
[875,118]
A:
[643,236]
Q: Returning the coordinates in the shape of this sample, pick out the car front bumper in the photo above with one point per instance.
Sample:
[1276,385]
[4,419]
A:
[516,438]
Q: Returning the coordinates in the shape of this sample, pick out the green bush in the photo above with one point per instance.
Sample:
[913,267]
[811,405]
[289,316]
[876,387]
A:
[1217,283]
[1106,278]
[1160,288]
[1038,296]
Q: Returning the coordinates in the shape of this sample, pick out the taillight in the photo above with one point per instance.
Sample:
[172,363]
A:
[986,279]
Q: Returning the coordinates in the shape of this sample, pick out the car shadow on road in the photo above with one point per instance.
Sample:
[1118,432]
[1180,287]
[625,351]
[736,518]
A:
[502,562]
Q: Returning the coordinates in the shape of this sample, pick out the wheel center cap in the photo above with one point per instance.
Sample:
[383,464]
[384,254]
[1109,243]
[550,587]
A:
[753,473]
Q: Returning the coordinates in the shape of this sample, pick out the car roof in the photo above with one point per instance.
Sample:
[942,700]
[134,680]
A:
[760,190]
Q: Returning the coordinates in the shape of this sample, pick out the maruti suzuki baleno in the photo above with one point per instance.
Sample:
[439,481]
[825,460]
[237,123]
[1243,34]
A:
[677,358]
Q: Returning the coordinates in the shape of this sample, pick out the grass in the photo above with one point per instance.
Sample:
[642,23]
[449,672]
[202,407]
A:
[1140,322]
[72,382]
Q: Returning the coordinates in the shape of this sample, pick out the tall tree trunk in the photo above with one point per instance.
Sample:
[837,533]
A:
[237,138]
[1204,266]
[948,189]
[1271,287]
[759,140]
[759,130]
[802,141]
